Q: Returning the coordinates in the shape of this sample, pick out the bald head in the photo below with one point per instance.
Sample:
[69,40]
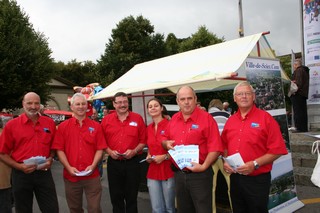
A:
[31,104]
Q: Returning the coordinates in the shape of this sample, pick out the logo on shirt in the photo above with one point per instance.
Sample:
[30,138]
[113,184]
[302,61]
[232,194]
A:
[255,125]
[91,129]
[194,126]
[47,130]
[132,123]
[162,132]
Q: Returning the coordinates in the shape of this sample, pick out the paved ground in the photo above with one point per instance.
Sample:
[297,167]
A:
[310,196]
[143,197]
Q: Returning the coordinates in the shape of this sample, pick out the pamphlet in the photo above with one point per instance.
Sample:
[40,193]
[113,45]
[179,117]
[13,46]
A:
[234,160]
[84,173]
[40,161]
[183,155]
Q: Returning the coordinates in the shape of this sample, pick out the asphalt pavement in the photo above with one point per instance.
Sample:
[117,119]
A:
[308,195]
[144,205]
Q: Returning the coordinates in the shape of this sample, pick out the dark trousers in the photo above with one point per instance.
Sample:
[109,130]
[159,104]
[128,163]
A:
[250,194]
[124,180]
[5,200]
[39,183]
[300,114]
[194,191]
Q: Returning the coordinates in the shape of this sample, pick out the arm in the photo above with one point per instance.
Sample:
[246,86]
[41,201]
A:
[19,166]
[248,167]
[96,160]
[63,159]
[210,159]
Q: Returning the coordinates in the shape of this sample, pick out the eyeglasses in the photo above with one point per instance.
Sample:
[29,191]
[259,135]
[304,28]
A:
[240,94]
[121,102]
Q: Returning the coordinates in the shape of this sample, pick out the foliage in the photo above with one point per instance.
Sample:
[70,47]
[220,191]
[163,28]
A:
[80,73]
[131,43]
[201,38]
[25,61]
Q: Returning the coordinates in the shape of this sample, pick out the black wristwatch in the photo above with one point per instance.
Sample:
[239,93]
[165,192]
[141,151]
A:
[256,165]
[166,157]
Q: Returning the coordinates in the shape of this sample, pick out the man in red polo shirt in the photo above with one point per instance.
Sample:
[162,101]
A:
[125,133]
[79,142]
[256,136]
[194,126]
[27,136]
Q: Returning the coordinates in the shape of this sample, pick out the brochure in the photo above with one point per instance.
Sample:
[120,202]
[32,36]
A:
[234,160]
[183,155]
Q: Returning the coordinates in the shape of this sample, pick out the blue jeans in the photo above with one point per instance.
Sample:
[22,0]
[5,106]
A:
[162,195]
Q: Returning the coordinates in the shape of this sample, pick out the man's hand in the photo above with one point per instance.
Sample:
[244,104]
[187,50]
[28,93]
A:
[168,144]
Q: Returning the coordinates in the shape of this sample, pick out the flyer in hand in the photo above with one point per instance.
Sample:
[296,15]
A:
[40,161]
[183,155]
[234,160]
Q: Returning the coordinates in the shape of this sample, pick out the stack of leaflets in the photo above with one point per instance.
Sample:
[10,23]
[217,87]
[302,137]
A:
[184,155]
[40,161]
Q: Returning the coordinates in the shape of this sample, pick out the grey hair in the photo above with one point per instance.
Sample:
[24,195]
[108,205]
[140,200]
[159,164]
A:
[242,83]
[77,95]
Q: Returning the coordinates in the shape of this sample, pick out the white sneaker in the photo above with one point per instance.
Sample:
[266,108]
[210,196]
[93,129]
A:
[292,128]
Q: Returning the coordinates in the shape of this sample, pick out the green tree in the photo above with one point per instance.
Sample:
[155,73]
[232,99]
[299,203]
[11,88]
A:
[201,38]
[80,73]
[131,43]
[25,61]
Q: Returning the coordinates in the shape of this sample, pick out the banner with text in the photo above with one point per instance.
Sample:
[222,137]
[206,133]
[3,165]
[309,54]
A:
[265,77]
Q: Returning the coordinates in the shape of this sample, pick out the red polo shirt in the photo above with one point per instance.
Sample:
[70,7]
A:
[200,129]
[80,144]
[121,136]
[23,139]
[255,135]
[163,170]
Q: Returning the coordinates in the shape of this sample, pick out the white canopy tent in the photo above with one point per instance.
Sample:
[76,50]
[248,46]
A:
[215,67]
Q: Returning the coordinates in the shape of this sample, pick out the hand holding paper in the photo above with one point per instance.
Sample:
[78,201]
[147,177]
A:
[234,161]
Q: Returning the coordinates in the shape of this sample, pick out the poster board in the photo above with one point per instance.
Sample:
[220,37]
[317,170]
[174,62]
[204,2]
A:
[265,77]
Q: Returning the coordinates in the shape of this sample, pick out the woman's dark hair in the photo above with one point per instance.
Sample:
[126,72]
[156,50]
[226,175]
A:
[164,111]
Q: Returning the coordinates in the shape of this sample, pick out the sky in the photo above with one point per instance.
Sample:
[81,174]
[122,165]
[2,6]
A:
[80,29]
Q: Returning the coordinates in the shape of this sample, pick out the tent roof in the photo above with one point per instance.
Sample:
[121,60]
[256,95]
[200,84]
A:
[205,69]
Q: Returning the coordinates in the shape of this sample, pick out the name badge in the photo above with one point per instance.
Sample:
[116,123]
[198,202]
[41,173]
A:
[132,123]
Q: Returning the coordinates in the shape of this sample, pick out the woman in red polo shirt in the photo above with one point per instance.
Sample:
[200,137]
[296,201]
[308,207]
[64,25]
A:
[160,177]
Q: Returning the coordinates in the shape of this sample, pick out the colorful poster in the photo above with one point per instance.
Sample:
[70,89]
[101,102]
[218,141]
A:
[265,77]
[311,37]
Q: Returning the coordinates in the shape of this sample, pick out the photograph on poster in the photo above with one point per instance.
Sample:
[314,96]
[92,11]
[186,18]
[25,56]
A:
[268,88]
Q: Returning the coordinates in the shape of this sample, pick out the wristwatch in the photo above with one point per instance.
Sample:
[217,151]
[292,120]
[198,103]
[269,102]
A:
[166,157]
[256,165]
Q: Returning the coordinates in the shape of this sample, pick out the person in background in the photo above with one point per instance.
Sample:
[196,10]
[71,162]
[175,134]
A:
[226,107]
[5,184]
[24,137]
[256,136]
[95,117]
[193,126]
[216,110]
[299,99]
[160,177]
[79,142]
[125,133]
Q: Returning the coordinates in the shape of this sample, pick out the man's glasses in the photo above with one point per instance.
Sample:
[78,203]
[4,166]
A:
[121,102]
[241,94]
